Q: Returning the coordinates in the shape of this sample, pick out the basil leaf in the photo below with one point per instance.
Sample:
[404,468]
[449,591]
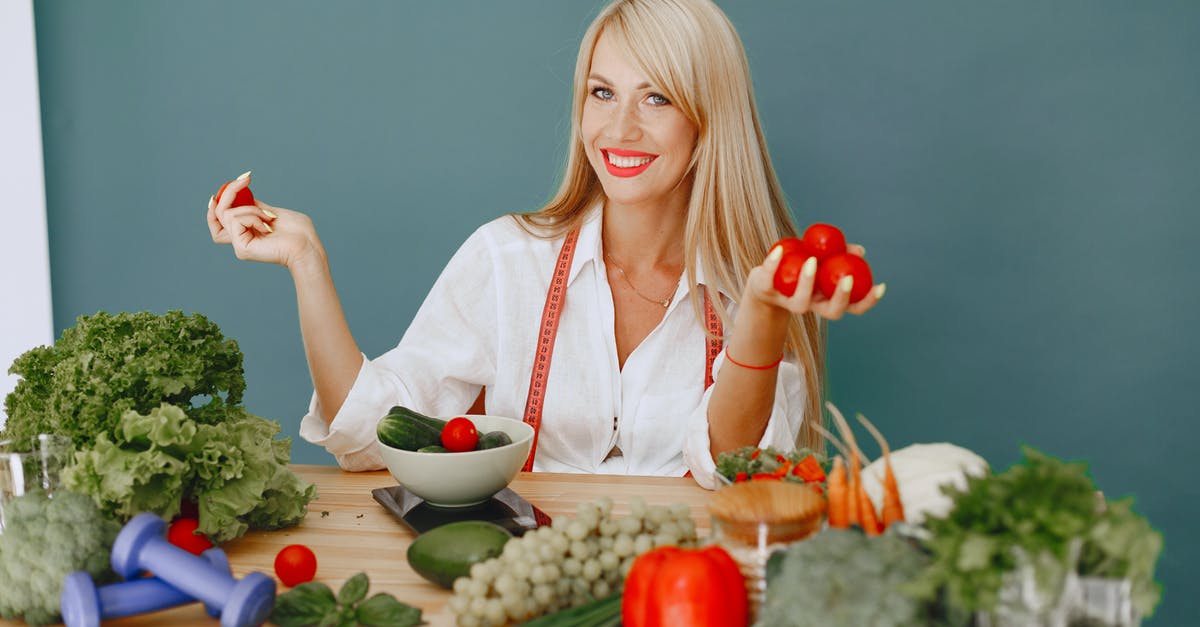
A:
[354,590]
[306,604]
[383,610]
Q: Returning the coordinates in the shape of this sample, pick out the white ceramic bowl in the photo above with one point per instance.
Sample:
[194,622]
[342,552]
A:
[462,479]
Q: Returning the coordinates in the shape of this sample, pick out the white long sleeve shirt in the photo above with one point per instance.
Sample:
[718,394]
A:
[478,328]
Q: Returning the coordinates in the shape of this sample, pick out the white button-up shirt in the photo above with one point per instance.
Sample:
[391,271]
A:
[478,328]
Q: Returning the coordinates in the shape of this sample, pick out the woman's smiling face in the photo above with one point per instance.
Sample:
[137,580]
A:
[637,141]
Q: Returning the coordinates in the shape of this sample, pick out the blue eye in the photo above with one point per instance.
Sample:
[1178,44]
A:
[658,100]
[603,93]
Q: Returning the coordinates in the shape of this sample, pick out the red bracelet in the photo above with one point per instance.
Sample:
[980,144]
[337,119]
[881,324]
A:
[735,362]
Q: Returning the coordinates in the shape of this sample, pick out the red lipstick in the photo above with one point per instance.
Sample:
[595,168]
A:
[626,172]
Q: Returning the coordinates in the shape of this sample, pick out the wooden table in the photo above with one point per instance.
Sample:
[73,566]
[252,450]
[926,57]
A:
[351,533]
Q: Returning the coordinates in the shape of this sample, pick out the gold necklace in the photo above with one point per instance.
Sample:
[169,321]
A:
[665,302]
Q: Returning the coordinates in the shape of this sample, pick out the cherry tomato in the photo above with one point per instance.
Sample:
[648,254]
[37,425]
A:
[182,533]
[787,274]
[831,271]
[295,564]
[242,198]
[459,435]
[824,240]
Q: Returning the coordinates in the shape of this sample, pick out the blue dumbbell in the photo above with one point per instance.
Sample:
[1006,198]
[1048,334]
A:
[85,605]
[141,546]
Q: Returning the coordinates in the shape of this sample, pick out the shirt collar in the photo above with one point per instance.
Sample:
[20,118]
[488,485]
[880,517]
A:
[588,248]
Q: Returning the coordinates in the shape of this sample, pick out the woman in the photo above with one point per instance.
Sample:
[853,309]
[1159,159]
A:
[662,340]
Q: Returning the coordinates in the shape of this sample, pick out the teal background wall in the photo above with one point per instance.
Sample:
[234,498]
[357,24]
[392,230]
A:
[1024,175]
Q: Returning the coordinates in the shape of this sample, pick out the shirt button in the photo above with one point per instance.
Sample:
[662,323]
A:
[614,423]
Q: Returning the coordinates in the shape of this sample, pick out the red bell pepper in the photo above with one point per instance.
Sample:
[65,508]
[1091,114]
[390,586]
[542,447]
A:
[670,587]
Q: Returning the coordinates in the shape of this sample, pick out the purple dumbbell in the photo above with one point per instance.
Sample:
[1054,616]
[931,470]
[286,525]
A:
[141,546]
[85,605]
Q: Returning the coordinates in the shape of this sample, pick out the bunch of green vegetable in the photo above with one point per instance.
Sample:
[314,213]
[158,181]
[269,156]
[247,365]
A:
[1036,509]
[153,405]
[44,540]
[843,577]
[749,461]
[236,471]
[314,603]
[107,365]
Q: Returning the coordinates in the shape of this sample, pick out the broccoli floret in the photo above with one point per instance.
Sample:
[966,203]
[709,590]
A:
[45,539]
[841,577]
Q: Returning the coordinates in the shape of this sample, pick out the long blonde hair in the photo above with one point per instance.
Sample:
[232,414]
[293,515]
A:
[737,210]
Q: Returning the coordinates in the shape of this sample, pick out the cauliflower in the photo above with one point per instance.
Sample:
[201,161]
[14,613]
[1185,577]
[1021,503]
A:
[43,540]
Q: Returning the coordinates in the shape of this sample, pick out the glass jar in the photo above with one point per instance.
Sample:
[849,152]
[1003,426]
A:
[23,470]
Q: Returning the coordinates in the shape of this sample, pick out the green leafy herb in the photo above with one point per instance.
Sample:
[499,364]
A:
[313,603]
[1035,509]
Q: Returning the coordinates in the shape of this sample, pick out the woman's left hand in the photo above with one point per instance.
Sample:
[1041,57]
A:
[761,286]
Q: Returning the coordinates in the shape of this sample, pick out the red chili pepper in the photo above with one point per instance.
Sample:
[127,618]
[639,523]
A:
[739,477]
[809,470]
[783,469]
[755,454]
[765,475]
[670,586]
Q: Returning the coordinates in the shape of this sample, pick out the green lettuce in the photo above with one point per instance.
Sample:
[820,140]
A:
[106,365]
[236,471]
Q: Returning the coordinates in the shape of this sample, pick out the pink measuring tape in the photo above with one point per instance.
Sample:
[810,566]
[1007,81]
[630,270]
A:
[551,313]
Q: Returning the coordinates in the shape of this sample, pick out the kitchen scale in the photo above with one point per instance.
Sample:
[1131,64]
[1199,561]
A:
[507,509]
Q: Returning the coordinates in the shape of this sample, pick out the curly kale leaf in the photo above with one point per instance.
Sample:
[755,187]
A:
[44,540]
[107,364]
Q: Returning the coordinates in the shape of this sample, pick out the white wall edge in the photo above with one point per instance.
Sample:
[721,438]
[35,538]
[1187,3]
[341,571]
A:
[26,314]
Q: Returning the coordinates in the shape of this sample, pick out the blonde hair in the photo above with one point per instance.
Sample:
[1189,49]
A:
[737,210]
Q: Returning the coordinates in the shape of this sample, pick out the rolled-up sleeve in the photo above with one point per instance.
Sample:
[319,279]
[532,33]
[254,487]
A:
[444,358]
[783,427]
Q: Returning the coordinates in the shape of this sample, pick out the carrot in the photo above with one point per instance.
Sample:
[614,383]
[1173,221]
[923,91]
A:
[893,508]
[809,470]
[837,489]
[862,511]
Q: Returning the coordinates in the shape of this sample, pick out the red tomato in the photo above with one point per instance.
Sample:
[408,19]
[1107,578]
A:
[787,274]
[242,198]
[295,564]
[459,435]
[824,240]
[831,271]
[182,533]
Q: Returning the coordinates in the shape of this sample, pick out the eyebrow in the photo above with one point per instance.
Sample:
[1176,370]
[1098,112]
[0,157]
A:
[596,77]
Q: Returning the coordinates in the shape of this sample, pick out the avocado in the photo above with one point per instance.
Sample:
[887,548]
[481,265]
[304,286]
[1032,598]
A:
[446,553]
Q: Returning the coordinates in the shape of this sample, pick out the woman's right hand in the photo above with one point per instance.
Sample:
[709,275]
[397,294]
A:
[262,232]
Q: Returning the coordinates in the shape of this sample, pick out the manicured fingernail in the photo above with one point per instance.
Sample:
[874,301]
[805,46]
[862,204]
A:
[880,290]
[268,227]
[244,175]
[775,254]
[212,200]
[846,284]
[809,269]
[269,214]
[862,250]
